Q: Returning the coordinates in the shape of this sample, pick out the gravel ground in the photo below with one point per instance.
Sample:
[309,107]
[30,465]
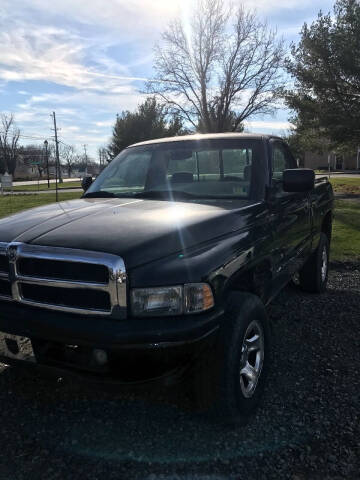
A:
[307,427]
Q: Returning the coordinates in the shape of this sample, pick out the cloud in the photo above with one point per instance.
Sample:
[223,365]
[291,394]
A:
[71,128]
[268,125]
[107,123]
[128,19]
[30,52]
[78,102]
[77,112]
[265,6]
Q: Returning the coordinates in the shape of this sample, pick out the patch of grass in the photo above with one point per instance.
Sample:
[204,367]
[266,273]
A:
[43,186]
[10,204]
[345,245]
[347,186]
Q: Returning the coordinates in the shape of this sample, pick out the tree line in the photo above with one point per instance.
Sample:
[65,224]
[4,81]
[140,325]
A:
[42,158]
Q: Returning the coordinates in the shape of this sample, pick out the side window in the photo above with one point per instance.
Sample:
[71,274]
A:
[184,164]
[208,165]
[204,165]
[237,163]
[281,160]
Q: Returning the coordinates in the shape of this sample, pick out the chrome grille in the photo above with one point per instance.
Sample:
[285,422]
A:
[5,289]
[5,286]
[74,281]
[4,264]
[60,270]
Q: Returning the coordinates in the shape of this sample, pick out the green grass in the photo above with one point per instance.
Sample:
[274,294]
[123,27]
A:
[10,204]
[43,186]
[345,245]
[346,185]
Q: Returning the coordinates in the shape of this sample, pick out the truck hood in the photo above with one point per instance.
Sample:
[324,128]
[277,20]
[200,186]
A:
[139,230]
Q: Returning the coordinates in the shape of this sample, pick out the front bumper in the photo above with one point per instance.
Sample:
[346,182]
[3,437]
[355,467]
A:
[138,350]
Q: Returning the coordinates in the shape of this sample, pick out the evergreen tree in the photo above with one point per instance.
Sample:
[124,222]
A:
[149,121]
[326,68]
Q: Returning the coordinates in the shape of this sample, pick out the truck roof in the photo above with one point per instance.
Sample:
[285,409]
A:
[207,136]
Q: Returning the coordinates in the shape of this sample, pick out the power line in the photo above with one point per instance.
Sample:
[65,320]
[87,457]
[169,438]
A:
[64,143]
[37,138]
[33,137]
[23,136]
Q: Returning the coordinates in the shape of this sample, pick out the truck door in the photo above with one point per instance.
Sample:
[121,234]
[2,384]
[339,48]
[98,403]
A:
[291,216]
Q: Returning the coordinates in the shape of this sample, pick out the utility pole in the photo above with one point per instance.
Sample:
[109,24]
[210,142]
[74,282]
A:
[85,161]
[47,162]
[57,160]
[101,157]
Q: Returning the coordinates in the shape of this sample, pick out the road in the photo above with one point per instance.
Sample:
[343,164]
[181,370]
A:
[36,192]
[43,182]
[339,175]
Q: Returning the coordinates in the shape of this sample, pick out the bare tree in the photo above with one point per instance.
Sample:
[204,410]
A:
[104,158]
[221,69]
[79,162]
[9,136]
[68,154]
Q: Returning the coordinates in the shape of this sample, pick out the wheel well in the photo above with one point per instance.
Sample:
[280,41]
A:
[326,226]
[254,280]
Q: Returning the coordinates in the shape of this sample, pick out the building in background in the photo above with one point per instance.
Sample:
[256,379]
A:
[25,170]
[320,161]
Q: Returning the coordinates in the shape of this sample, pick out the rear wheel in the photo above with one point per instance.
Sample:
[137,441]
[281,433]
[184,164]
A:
[230,380]
[314,274]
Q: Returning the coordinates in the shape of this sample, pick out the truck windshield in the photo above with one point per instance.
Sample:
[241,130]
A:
[184,169]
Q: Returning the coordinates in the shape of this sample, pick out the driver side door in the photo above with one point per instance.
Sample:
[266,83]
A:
[291,217]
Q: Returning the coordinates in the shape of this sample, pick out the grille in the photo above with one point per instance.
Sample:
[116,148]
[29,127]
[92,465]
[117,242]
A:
[5,288]
[78,272]
[4,264]
[75,281]
[77,298]
[5,285]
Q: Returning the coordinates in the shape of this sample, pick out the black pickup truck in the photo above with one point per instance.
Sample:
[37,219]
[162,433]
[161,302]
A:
[165,266]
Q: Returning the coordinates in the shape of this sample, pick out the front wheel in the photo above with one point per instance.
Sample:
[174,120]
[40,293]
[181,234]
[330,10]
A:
[230,380]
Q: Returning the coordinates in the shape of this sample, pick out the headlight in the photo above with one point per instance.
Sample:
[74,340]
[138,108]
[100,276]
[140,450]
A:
[166,301]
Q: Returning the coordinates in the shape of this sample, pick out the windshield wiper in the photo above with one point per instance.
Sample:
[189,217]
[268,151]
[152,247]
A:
[100,194]
[164,194]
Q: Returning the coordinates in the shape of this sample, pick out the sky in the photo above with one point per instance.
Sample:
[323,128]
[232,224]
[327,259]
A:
[88,60]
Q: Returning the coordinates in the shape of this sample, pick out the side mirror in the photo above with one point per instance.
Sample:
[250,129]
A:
[86,182]
[298,180]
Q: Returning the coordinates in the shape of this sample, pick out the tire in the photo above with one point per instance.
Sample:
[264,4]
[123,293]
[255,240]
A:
[314,274]
[222,380]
